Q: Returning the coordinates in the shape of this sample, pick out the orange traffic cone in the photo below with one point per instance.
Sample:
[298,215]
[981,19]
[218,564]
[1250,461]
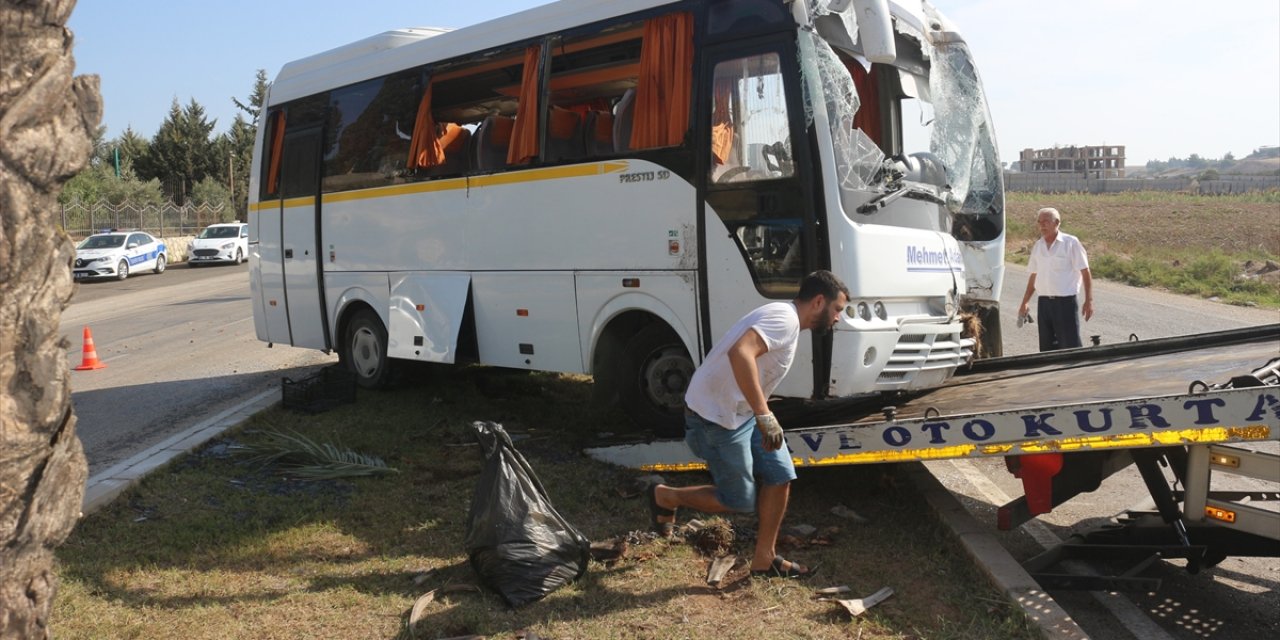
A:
[90,360]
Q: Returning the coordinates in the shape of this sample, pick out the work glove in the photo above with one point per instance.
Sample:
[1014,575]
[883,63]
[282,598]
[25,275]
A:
[770,430]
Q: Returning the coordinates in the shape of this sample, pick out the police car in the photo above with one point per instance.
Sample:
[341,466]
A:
[116,254]
[228,242]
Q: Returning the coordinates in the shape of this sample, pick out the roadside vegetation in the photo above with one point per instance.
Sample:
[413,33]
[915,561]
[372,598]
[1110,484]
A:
[220,546]
[1225,247]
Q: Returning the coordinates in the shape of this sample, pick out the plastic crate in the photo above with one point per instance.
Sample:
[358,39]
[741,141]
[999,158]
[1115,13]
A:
[320,391]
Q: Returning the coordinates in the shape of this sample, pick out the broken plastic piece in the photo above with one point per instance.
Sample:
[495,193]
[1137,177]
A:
[859,606]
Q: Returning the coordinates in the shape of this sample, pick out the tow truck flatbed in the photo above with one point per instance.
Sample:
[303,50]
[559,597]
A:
[1131,395]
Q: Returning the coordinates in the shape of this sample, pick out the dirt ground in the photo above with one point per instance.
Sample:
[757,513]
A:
[1128,223]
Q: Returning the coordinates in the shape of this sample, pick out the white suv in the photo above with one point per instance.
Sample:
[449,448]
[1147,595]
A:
[228,242]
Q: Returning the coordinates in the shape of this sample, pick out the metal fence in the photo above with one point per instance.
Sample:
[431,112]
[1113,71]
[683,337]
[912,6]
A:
[80,220]
[1060,183]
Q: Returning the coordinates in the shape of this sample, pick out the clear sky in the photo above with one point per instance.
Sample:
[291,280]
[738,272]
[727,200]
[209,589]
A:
[1167,78]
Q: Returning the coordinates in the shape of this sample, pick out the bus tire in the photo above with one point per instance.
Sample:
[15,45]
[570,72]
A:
[364,350]
[656,370]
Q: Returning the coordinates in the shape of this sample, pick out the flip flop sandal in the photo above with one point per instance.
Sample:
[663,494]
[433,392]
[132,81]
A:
[664,529]
[776,570]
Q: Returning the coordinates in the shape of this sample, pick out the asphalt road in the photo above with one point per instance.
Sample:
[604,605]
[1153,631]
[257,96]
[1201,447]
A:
[1237,600]
[179,347]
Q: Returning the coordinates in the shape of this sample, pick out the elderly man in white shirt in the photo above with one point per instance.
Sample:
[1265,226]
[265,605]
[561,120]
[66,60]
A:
[1058,267]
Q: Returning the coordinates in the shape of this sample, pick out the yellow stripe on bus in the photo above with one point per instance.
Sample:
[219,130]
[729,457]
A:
[1118,441]
[453,184]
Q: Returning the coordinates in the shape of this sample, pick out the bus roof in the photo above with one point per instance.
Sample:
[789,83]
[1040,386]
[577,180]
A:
[406,48]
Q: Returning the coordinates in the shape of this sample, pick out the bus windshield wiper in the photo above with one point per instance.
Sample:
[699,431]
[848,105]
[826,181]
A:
[907,189]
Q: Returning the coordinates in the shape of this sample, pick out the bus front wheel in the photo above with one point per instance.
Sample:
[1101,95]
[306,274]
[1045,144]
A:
[364,350]
[657,370]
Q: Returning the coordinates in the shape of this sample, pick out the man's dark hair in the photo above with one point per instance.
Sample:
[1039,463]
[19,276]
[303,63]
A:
[822,283]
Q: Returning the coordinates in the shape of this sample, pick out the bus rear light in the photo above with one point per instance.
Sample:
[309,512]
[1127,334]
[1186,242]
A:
[1224,515]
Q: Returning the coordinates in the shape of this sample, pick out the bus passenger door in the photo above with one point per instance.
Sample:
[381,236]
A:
[299,241]
[760,235]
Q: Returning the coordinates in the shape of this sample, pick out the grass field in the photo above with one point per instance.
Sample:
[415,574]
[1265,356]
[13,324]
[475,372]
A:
[214,547]
[1205,246]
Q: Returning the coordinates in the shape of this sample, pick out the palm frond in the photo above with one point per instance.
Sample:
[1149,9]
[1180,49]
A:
[297,455]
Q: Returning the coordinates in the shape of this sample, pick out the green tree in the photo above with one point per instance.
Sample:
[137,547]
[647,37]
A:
[256,98]
[212,193]
[132,149]
[182,153]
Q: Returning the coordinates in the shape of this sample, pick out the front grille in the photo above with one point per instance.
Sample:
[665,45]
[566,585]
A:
[920,352]
[206,253]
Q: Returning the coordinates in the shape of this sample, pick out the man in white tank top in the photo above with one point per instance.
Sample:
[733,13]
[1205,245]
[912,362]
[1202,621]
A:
[728,422]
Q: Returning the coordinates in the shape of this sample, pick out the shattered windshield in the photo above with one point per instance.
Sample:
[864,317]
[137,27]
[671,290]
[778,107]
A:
[962,137]
[940,134]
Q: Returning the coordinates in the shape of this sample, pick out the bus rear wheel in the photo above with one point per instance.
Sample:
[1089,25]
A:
[656,373]
[364,350]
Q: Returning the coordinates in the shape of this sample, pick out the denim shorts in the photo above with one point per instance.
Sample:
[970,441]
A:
[735,457]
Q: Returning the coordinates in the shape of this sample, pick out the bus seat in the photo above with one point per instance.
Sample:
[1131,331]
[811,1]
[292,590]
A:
[622,114]
[455,142]
[598,133]
[564,135]
[493,139]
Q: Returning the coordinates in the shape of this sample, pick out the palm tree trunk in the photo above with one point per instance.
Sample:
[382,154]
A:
[46,117]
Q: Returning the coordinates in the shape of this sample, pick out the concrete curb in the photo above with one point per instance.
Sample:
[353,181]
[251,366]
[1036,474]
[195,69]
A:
[102,488]
[1001,569]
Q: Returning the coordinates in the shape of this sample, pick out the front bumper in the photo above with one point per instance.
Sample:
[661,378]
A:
[212,255]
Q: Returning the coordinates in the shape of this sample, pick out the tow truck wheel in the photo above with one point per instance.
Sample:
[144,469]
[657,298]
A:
[160,263]
[656,373]
[364,350]
[122,270]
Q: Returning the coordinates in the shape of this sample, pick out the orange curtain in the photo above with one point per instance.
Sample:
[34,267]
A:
[868,116]
[722,119]
[277,146]
[424,148]
[524,136]
[666,82]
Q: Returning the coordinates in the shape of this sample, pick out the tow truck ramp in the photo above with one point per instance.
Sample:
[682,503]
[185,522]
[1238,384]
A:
[1063,421]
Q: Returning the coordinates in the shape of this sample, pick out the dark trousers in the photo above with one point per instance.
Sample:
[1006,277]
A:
[1059,322]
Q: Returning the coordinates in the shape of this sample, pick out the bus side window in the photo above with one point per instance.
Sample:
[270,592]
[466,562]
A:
[750,129]
[590,75]
[366,144]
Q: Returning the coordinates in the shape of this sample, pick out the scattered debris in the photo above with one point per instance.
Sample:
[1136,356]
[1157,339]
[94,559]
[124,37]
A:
[842,511]
[821,594]
[609,551]
[423,577]
[692,526]
[859,606]
[525,634]
[719,568]
[715,539]
[296,455]
[425,600]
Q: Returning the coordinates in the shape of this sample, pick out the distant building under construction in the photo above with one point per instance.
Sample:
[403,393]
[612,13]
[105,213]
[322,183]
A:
[1091,162]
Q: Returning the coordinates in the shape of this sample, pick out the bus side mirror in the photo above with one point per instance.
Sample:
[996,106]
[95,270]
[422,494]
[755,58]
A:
[875,31]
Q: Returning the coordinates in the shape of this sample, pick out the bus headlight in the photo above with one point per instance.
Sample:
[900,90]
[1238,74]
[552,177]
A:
[864,311]
[880,311]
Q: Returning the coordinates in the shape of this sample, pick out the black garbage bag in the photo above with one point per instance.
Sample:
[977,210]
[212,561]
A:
[516,541]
